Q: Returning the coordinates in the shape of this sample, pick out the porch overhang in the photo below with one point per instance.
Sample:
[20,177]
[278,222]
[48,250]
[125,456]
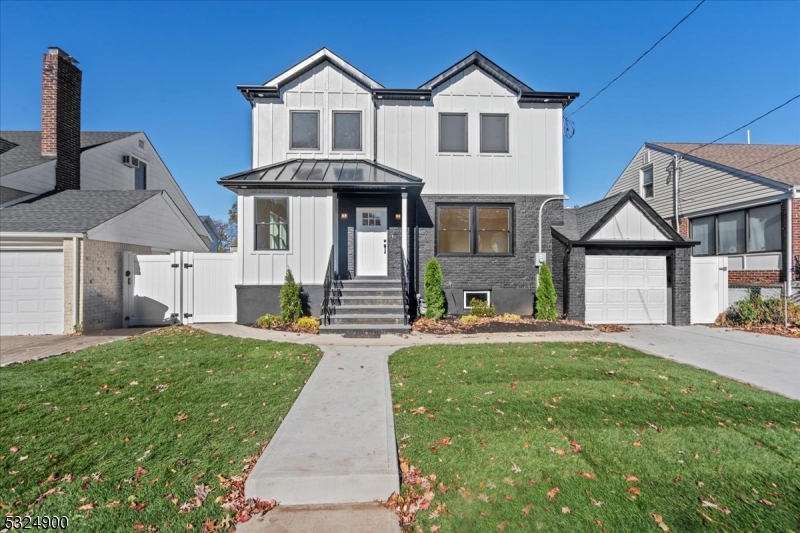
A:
[340,175]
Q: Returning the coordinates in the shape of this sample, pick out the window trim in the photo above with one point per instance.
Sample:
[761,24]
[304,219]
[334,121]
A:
[255,224]
[292,112]
[473,229]
[360,130]
[487,293]
[746,211]
[508,139]
[147,168]
[652,182]
[466,132]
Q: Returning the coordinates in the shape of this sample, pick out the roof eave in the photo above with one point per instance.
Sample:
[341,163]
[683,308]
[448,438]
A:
[253,184]
[542,97]
[402,94]
[621,243]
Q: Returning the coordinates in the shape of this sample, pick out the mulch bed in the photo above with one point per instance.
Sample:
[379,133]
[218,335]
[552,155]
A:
[452,325]
[792,331]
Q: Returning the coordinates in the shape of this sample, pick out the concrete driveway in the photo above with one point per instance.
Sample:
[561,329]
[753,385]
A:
[766,361]
[22,348]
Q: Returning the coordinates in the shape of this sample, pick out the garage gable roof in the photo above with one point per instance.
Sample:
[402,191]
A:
[70,211]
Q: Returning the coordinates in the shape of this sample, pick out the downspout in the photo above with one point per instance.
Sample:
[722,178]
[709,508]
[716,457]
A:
[75,283]
[789,251]
[565,284]
[676,160]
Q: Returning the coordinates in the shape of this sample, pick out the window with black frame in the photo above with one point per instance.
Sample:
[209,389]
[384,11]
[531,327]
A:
[474,230]
[272,224]
[753,230]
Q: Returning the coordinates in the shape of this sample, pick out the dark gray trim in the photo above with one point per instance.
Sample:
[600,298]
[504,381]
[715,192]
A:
[486,65]
[608,243]
[402,94]
[258,91]
[292,112]
[360,130]
[746,211]
[466,133]
[536,97]
[508,139]
[633,196]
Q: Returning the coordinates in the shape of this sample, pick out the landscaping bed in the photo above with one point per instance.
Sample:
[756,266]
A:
[587,437]
[451,325]
[154,433]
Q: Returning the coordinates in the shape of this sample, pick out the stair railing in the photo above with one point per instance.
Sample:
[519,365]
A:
[327,289]
[404,280]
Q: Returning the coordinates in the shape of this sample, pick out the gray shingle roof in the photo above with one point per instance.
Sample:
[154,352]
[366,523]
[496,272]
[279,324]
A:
[588,215]
[22,149]
[70,211]
[7,194]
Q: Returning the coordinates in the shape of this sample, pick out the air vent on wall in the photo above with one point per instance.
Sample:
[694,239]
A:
[130,161]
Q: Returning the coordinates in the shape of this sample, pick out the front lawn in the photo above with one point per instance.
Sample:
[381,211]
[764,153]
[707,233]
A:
[592,437]
[120,437]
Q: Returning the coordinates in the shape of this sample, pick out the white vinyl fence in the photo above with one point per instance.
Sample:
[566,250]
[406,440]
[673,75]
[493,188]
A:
[178,288]
[709,288]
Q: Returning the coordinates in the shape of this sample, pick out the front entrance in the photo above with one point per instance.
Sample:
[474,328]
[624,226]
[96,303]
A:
[371,241]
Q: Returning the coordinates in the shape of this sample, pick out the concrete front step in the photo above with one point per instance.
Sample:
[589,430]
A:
[356,329]
[367,310]
[371,291]
[339,318]
[369,300]
[379,284]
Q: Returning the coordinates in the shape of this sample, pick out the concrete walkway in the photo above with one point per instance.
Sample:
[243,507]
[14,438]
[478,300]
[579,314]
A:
[769,362]
[22,348]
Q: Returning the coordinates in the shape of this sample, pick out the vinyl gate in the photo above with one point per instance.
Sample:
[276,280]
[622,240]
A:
[709,288]
[178,288]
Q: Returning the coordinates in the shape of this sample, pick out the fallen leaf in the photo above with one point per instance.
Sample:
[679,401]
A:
[638,443]
[14,449]
[704,515]
[445,441]
[552,493]
[634,490]
[86,507]
[766,502]
[418,411]
[527,509]
[515,468]
[181,417]
[138,527]
[631,478]
[596,503]
[713,505]
[587,475]
[660,522]
[565,510]
[113,504]
[140,472]
[575,446]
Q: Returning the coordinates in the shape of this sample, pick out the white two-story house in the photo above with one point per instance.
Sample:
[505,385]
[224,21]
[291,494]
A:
[352,182]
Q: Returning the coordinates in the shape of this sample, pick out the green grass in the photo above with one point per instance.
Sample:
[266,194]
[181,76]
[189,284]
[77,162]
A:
[101,413]
[506,407]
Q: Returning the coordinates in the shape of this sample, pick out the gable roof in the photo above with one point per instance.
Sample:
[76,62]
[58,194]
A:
[23,149]
[271,88]
[70,211]
[778,162]
[581,223]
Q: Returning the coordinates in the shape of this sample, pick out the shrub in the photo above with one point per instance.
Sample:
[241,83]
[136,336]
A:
[481,308]
[268,321]
[756,311]
[309,324]
[546,295]
[434,296]
[469,319]
[291,304]
[511,317]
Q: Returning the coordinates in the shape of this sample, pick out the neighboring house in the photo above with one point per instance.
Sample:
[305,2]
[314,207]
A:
[211,229]
[349,177]
[102,192]
[736,200]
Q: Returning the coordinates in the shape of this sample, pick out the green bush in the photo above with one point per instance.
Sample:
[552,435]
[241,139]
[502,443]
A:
[546,295]
[469,319]
[308,324]
[481,309]
[268,321]
[511,317]
[291,304]
[756,311]
[434,295]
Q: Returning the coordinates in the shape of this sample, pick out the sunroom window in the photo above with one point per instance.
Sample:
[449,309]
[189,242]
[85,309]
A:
[272,224]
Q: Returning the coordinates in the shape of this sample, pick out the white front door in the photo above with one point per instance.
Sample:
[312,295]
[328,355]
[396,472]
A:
[32,293]
[624,289]
[371,241]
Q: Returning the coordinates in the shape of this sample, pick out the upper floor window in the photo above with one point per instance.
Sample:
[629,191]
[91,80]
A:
[646,182]
[753,230]
[452,132]
[494,133]
[140,176]
[305,130]
[272,224]
[474,229]
[347,130]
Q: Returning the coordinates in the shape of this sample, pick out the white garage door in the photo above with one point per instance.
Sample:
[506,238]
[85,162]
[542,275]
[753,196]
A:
[31,293]
[624,289]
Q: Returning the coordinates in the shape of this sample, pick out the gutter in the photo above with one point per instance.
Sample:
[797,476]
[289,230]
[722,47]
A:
[541,208]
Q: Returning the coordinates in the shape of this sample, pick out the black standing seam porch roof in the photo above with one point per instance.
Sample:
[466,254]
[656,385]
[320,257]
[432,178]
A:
[322,174]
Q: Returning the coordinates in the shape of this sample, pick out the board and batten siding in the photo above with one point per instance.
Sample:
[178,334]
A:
[310,239]
[156,223]
[325,89]
[102,170]
[408,140]
[629,224]
[38,179]
[702,188]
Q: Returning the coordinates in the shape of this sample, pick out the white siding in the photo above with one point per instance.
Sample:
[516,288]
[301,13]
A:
[408,140]
[324,88]
[156,223]
[102,170]
[702,187]
[310,239]
[629,224]
[38,179]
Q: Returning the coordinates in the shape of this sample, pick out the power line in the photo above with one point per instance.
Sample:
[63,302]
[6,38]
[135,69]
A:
[771,157]
[640,57]
[777,166]
[790,100]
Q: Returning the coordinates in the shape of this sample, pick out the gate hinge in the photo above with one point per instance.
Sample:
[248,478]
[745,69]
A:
[175,265]
[174,315]
[127,318]
[187,315]
[187,265]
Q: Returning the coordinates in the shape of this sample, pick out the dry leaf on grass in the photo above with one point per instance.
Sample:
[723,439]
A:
[552,493]
[660,523]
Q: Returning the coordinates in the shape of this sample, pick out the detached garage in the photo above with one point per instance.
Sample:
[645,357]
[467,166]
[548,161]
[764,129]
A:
[617,262]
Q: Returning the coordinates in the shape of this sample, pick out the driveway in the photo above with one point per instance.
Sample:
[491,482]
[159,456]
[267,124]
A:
[766,361]
[22,348]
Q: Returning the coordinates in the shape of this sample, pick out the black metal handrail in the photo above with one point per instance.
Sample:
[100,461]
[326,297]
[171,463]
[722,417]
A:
[327,288]
[404,280]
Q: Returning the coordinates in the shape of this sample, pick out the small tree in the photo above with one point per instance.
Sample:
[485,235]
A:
[546,295]
[291,304]
[434,296]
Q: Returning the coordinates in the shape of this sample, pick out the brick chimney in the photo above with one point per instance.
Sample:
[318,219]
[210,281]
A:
[61,116]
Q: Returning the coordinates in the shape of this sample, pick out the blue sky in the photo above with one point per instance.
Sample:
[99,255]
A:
[170,69]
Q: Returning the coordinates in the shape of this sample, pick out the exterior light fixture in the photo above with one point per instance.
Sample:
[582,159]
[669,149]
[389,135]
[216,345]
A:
[398,216]
[344,216]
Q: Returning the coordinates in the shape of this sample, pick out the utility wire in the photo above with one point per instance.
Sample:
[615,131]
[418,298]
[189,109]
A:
[770,158]
[640,57]
[790,100]
[778,165]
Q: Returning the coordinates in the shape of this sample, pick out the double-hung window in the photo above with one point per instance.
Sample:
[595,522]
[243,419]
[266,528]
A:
[272,224]
[474,230]
[647,182]
[304,130]
[453,132]
[494,133]
[140,176]
[753,230]
[347,130]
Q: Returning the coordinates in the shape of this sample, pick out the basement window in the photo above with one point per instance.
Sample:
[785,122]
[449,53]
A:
[484,296]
